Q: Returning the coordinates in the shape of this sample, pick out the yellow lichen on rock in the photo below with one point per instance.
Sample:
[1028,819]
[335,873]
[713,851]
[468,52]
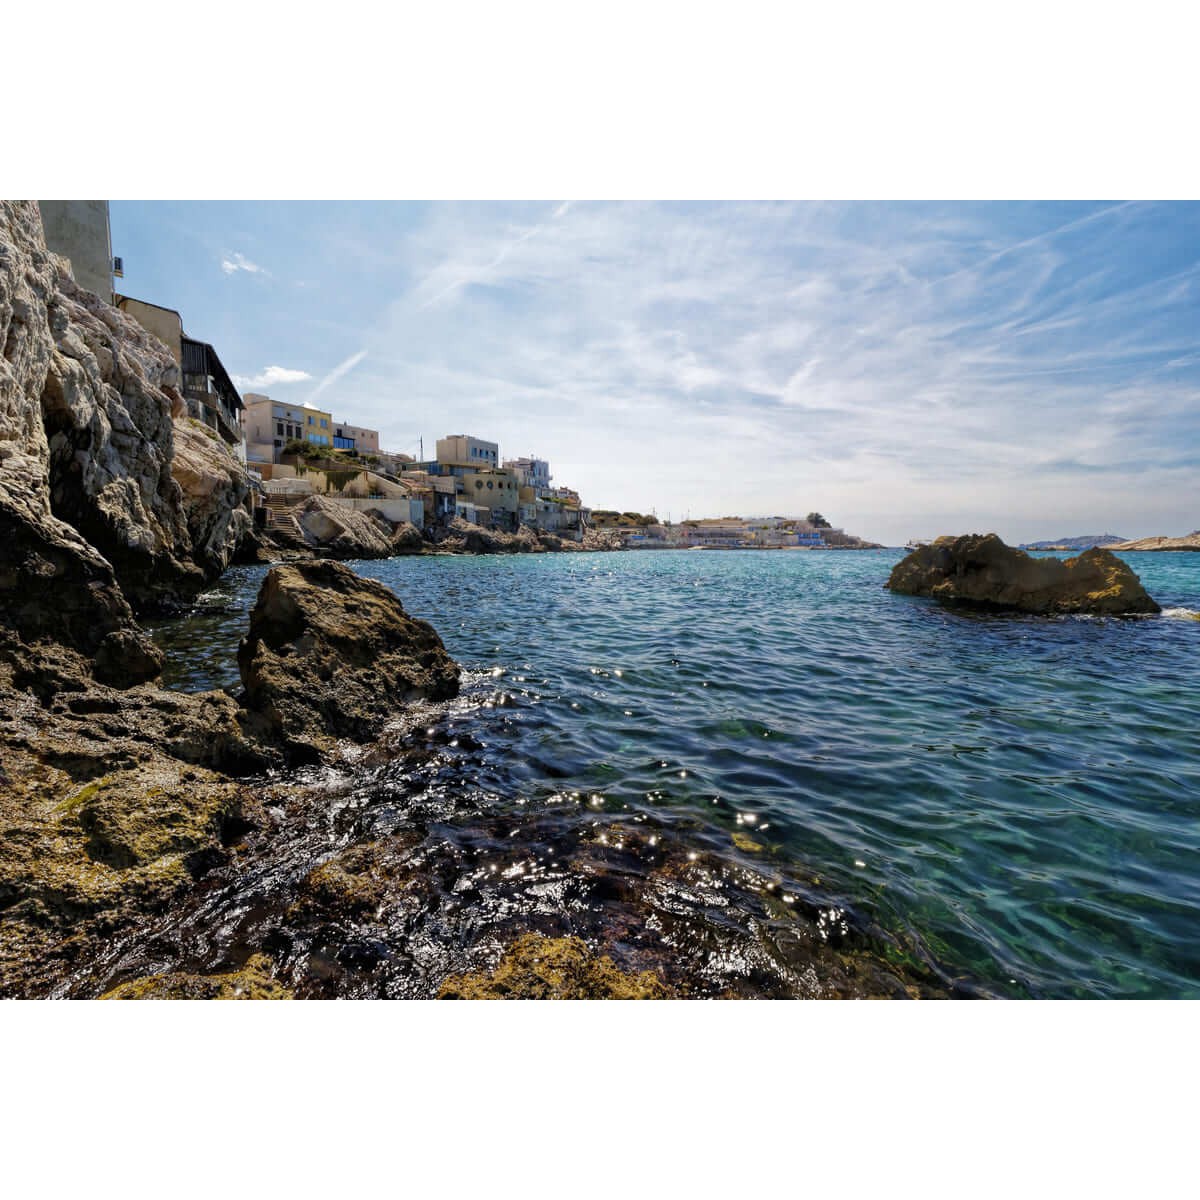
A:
[252,982]
[535,967]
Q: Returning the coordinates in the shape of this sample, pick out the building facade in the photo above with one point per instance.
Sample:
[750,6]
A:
[460,450]
[530,472]
[353,437]
[79,230]
[271,424]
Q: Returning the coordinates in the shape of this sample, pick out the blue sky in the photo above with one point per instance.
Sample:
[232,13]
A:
[908,369]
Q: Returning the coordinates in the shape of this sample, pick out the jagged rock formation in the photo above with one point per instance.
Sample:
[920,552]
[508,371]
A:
[89,398]
[107,407]
[1190,541]
[406,539]
[332,655]
[982,570]
[114,801]
[334,531]
[53,585]
[215,489]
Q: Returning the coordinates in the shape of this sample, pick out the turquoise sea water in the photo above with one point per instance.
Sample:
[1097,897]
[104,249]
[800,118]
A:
[1020,796]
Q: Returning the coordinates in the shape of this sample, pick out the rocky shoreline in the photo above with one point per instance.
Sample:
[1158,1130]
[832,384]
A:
[127,809]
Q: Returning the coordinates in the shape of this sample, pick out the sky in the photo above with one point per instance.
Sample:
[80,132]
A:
[907,369]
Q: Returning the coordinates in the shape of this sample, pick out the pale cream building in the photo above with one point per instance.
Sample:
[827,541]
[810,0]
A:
[460,450]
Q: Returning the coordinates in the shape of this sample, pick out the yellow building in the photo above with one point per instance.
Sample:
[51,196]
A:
[497,490]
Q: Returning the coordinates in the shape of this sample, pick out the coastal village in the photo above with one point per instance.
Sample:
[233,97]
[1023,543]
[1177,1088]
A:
[318,474]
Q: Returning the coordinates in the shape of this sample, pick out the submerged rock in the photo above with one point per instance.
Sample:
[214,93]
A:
[981,570]
[332,655]
[541,968]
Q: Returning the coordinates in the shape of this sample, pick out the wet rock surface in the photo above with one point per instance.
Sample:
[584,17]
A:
[981,570]
[252,982]
[541,968]
[332,655]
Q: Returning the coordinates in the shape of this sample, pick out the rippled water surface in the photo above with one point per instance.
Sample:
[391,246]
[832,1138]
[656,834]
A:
[1018,796]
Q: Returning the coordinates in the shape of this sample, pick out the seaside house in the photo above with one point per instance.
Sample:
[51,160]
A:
[353,437]
[495,490]
[270,425]
[461,450]
[530,472]
[208,391]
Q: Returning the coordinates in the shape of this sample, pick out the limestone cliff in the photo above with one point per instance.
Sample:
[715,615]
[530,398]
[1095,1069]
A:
[215,489]
[91,401]
[54,585]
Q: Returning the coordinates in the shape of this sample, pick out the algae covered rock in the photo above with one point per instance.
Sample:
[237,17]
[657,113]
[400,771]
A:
[252,982]
[981,570]
[332,655]
[541,968]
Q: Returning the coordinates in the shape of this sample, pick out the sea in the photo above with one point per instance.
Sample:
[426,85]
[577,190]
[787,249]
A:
[1007,805]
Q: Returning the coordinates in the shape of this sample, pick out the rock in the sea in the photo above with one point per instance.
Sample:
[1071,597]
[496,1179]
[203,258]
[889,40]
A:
[331,655]
[981,570]
[335,531]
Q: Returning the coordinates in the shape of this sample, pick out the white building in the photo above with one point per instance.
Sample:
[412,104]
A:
[532,472]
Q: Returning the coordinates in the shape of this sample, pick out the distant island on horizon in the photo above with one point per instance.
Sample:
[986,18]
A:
[1085,542]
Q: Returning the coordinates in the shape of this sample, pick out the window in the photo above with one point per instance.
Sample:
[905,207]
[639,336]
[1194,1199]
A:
[279,428]
[324,423]
[310,420]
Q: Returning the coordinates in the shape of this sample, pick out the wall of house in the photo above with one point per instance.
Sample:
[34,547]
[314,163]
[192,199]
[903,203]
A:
[79,230]
[366,441]
[164,323]
[468,451]
[498,489]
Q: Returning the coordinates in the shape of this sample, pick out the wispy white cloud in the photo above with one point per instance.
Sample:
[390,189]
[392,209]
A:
[340,371]
[270,376]
[907,369]
[239,262]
